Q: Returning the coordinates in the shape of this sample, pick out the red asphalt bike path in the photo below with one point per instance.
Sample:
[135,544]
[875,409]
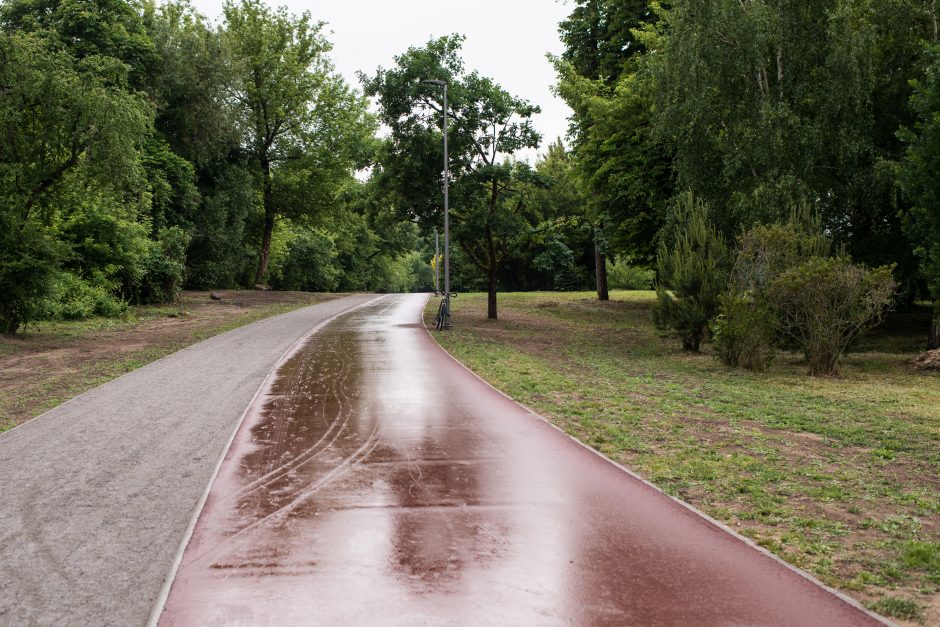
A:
[375,481]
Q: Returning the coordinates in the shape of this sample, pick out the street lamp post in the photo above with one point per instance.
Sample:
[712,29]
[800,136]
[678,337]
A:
[437,262]
[446,207]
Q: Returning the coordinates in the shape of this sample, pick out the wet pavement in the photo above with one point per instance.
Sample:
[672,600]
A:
[377,482]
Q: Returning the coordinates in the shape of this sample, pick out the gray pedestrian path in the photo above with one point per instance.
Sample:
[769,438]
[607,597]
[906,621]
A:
[97,493]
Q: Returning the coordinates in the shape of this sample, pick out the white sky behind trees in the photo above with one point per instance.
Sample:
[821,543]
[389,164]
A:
[507,40]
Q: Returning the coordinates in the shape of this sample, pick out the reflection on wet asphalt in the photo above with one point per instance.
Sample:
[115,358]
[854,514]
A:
[376,482]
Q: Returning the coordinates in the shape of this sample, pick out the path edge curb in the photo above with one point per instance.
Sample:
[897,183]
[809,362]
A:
[160,603]
[712,521]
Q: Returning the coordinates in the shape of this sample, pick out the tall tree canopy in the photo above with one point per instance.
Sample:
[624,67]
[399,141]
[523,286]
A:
[486,126]
[303,128]
[920,177]
[625,167]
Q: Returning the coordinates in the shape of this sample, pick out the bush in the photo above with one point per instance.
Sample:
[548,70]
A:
[74,298]
[825,303]
[422,271]
[164,267]
[310,264]
[768,250]
[29,262]
[743,332]
[691,274]
[621,275]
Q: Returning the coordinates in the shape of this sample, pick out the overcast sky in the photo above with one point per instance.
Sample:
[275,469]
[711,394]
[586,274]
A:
[507,40]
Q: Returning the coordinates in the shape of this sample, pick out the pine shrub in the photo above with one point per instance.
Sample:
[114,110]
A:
[691,274]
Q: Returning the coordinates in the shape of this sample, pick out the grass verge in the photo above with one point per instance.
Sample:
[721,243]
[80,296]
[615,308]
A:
[838,476]
[50,362]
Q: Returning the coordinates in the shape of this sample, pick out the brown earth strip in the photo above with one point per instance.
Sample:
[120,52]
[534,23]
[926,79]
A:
[48,363]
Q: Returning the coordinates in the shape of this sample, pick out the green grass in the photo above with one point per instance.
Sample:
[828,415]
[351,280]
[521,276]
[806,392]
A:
[838,476]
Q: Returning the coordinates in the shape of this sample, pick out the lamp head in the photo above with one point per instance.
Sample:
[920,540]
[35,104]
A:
[432,81]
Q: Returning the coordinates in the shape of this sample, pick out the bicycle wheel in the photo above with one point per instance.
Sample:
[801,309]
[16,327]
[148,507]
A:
[440,316]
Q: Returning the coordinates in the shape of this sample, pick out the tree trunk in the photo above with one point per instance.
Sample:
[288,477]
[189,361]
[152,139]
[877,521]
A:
[933,342]
[491,268]
[491,294]
[600,269]
[268,197]
[933,16]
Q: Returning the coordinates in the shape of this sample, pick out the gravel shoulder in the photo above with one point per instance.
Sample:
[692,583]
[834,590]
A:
[98,492]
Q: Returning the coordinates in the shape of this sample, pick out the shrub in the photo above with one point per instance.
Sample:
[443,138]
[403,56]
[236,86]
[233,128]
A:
[29,262]
[310,263]
[164,267]
[767,250]
[621,275]
[825,303]
[74,298]
[422,271]
[743,332]
[691,274]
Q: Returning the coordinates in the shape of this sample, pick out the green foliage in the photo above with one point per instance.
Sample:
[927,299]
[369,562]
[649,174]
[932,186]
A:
[74,298]
[66,123]
[622,275]
[691,274]
[422,272]
[898,607]
[919,178]
[824,304]
[29,261]
[765,251]
[486,124]
[298,117]
[626,168]
[164,267]
[310,264]
[89,29]
[770,103]
[743,332]
[599,38]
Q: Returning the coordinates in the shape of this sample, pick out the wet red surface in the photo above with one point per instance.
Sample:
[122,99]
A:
[378,482]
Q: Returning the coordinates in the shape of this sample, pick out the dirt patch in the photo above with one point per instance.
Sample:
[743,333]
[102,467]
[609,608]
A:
[928,361]
[49,363]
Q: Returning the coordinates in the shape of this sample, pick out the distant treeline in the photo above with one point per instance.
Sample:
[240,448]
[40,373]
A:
[143,149]
[763,109]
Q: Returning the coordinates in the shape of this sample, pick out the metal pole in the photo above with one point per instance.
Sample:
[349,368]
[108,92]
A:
[437,262]
[446,218]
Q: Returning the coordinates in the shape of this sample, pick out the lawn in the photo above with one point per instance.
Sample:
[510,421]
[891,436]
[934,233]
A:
[839,476]
[50,362]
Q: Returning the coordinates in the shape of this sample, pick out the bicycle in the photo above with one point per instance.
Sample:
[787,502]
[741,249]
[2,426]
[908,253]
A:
[443,313]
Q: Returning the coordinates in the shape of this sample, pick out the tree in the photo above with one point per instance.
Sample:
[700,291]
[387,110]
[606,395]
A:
[60,118]
[302,126]
[769,104]
[90,29]
[486,126]
[921,183]
[626,168]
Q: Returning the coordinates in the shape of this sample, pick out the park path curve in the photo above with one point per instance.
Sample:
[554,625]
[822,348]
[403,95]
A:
[375,481]
[97,493]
